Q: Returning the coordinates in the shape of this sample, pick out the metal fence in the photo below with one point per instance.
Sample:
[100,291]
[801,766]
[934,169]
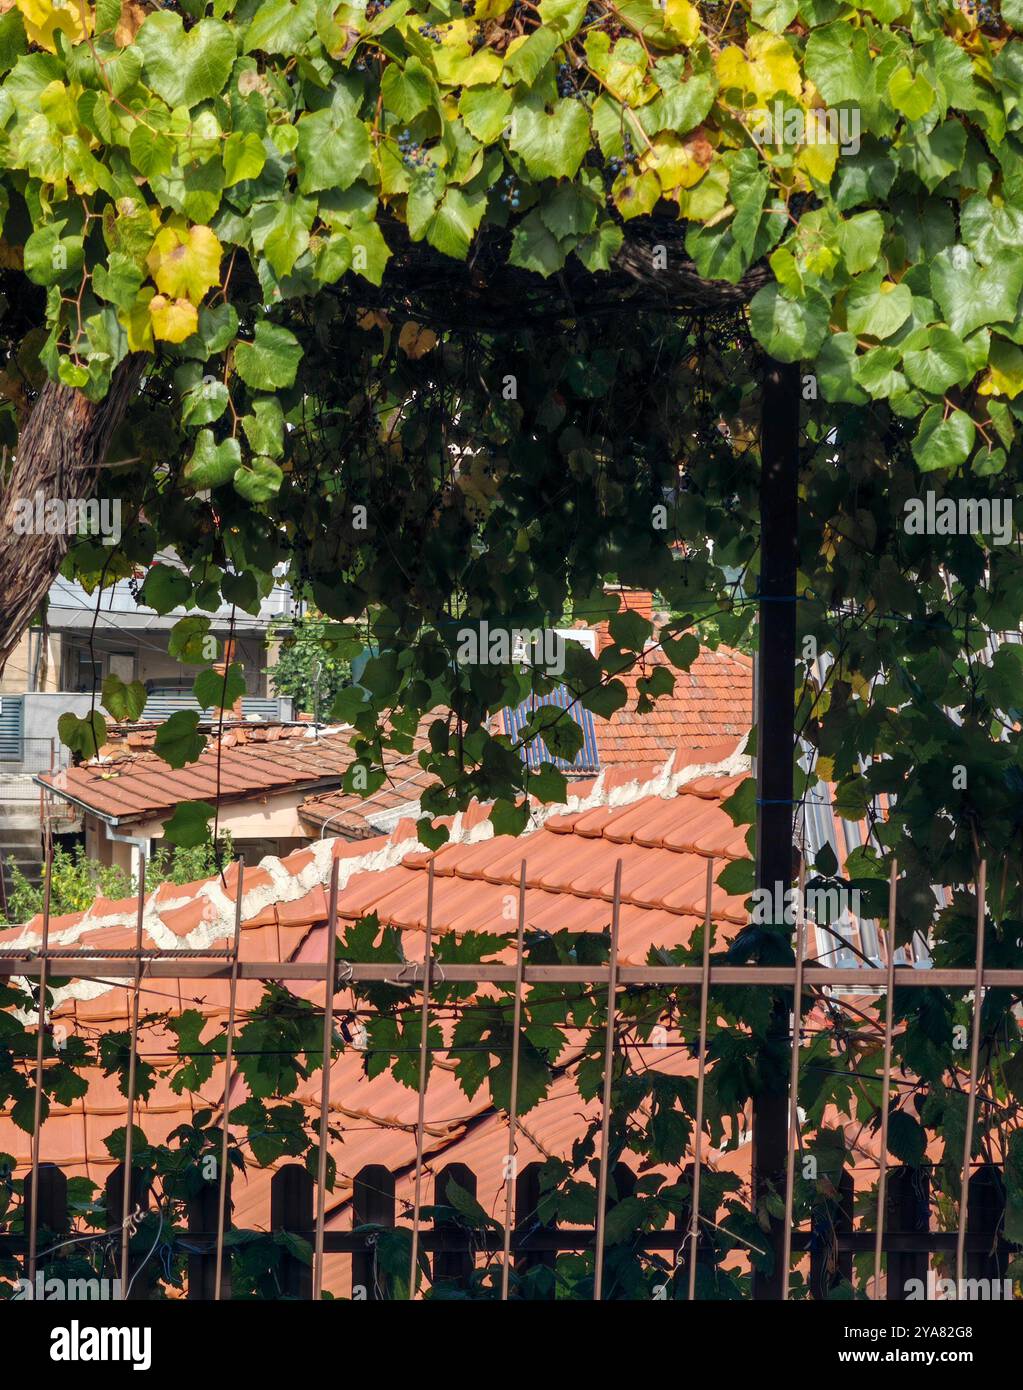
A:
[900,1228]
[452,1255]
[21,758]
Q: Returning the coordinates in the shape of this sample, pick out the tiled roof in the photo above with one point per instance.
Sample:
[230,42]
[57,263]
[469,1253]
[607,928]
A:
[711,704]
[358,817]
[662,821]
[136,785]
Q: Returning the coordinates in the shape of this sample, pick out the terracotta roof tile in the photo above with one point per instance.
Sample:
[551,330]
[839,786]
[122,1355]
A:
[663,841]
[139,786]
[711,703]
[362,817]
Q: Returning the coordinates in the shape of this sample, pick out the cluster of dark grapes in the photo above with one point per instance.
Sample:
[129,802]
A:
[593,15]
[413,155]
[374,7]
[510,192]
[567,81]
[468,7]
[430,31]
[616,164]
[986,15]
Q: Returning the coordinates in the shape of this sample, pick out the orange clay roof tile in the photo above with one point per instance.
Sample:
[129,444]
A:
[241,764]
[663,836]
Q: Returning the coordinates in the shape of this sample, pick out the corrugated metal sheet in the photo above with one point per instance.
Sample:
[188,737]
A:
[11,727]
[536,751]
[270,708]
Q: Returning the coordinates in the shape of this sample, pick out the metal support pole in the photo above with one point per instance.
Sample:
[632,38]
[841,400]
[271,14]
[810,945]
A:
[37,1117]
[775,707]
[886,1082]
[605,1121]
[228,1063]
[802,931]
[511,1173]
[330,986]
[424,1061]
[971,1098]
[128,1129]
[701,1077]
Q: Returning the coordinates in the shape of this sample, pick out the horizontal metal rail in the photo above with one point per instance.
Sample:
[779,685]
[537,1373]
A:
[491,1242]
[204,965]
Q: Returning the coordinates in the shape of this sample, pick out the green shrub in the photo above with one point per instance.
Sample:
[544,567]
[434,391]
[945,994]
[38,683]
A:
[78,880]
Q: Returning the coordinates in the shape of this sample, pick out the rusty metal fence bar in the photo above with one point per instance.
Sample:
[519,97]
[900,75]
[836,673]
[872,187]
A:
[701,1076]
[560,1238]
[803,973]
[886,1083]
[513,1099]
[199,965]
[213,965]
[37,1119]
[605,1113]
[793,1131]
[225,1170]
[330,989]
[424,1063]
[132,1057]
[971,1095]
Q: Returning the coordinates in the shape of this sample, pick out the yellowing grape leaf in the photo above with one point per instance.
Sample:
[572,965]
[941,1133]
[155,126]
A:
[733,70]
[678,163]
[185,264]
[1005,373]
[622,69]
[773,66]
[137,322]
[683,18]
[818,160]
[174,320]
[416,341]
[43,20]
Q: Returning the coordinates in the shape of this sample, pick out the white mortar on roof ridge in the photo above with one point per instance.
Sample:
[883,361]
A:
[67,936]
[664,784]
[285,886]
[152,926]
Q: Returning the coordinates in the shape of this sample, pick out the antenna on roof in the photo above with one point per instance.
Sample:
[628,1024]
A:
[317,669]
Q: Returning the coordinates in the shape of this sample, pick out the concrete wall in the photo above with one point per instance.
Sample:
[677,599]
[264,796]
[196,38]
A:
[147,660]
[40,712]
[64,660]
[34,663]
[269,818]
[268,826]
[42,709]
